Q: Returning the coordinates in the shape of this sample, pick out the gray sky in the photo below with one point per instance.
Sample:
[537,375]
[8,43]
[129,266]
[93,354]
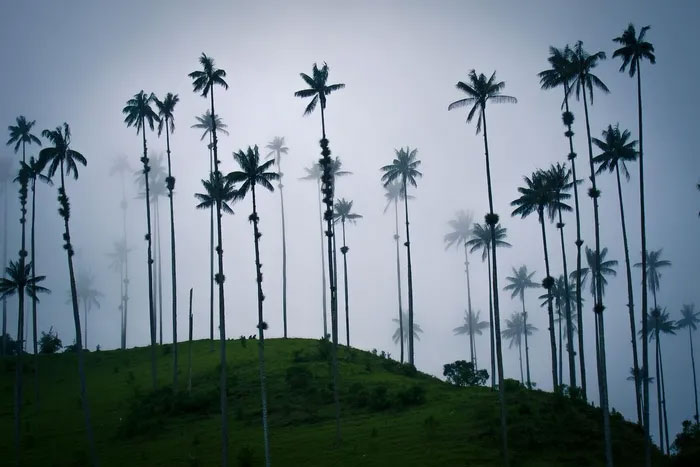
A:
[79,61]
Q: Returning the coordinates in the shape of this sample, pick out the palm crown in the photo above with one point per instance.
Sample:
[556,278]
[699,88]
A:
[461,227]
[520,281]
[617,150]
[252,172]
[276,147]
[472,324]
[654,264]
[120,166]
[659,321]
[417,330]
[166,107]
[318,87]
[480,90]
[394,192]
[19,277]
[689,317]
[516,329]
[218,189]
[481,239]
[86,290]
[33,170]
[21,133]
[634,48]
[539,195]
[207,123]
[139,113]
[343,211]
[561,71]
[60,153]
[403,167]
[582,63]
[607,268]
[204,80]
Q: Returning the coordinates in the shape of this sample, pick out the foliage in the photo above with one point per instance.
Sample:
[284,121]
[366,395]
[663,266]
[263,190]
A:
[50,342]
[462,373]
[687,446]
[299,378]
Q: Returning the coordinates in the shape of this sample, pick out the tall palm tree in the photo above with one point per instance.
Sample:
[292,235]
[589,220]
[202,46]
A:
[584,82]
[89,295]
[690,319]
[166,107]
[20,280]
[480,90]
[393,194]
[119,258]
[62,158]
[460,234]
[520,281]
[481,240]
[208,122]
[472,326]
[559,179]
[607,268]
[654,264]
[277,149]
[560,296]
[562,73]
[417,330]
[253,173]
[219,191]
[538,196]
[121,167]
[5,179]
[634,49]
[514,332]
[404,167]
[318,90]
[617,151]
[139,113]
[21,135]
[343,213]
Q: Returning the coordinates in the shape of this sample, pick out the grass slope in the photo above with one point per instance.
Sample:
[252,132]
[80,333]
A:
[416,420]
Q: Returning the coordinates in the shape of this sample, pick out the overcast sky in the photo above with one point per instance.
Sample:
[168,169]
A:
[79,61]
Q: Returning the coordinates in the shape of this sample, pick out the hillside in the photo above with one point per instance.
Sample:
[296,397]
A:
[390,416]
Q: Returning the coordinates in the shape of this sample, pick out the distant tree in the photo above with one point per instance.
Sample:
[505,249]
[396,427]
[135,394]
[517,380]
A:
[520,281]
[472,326]
[5,180]
[343,213]
[119,260]
[464,374]
[21,135]
[654,264]
[121,167]
[417,331]
[88,294]
[50,342]
[514,332]
[690,319]
[687,445]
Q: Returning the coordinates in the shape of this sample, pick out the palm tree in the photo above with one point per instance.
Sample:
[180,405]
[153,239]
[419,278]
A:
[472,326]
[88,294]
[277,148]
[139,113]
[520,281]
[119,259]
[460,234]
[219,191]
[166,107]
[343,213]
[417,330]
[121,167]
[404,167]
[60,157]
[393,193]
[617,151]
[633,50]
[562,73]
[690,319]
[560,296]
[5,179]
[253,173]
[21,135]
[516,328]
[20,280]
[481,239]
[584,63]
[208,123]
[654,263]
[481,90]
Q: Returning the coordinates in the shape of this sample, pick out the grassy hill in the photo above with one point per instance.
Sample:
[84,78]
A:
[391,416]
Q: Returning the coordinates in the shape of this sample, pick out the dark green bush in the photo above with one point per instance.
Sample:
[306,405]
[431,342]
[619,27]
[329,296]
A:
[463,374]
[358,396]
[298,378]
[414,395]
[379,398]
[49,342]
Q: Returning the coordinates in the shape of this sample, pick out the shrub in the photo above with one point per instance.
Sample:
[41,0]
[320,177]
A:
[379,398]
[358,396]
[298,378]
[512,385]
[462,373]
[49,342]
[414,395]
[687,445]
[167,349]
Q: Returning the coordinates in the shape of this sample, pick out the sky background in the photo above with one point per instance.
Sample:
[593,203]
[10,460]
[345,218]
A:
[79,62]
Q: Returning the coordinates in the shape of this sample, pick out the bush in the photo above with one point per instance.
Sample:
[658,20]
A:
[298,378]
[512,385]
[358,396]
[463,374]
[379,398]
[414,395]
[49,342]
[11,346]
[687,445]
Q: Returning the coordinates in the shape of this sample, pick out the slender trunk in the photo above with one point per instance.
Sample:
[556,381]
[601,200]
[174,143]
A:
[323,263]
[149,261]
[124,270]
[411,354]
[695,380]
[160,272]
[261,327]
[211,254]
[520,360]
[63,200]
[527,349]
[645,344]
[171,186]
[85,313]
[398,273]
[550,311]
[663,398]
[658,394]
[494,375]
[630,301]
[20,324]
[602,369]
[344,250]
[469,306]
[561,359]
[34,299]
[189,350]
[567,303]
[335,268]
[496,314]
[284,248]
[3,348]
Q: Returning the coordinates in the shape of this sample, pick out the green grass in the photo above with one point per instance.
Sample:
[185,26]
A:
[135,426]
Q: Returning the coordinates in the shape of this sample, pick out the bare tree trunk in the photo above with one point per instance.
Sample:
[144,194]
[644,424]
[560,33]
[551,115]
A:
[284,247]
[695,380]
[4,265]
[34,299]
[189,350]
[323,264]
[527,350]
[149,262]
[411,355]
[663,398]
[469,306]
[170,182]
[494,374]
[550,311]
[569,322]
[398,274]
[20,321]
[344,251]
[211,253]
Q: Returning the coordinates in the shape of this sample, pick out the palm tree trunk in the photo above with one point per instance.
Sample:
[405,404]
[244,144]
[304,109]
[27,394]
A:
[171,186]
[189,350]
[63,199]
[344,250]
[663,398]
[398,273]
[469,306]
[494,374]
[658,394]
[85,313]
[527,350]
[149,262]
[261,334]
[630,300]
[695,380]
[645,345]
[493,221]
[34,299]
[323,263]
[567,303]
[124,267]
[520,360]
[602,369]
[20,328]
[3,348]
[211,254]
[411,353]
[561,359]
[284,248]
[160,272]
[550,311]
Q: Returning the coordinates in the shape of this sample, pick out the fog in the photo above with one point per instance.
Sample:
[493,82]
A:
[80,61]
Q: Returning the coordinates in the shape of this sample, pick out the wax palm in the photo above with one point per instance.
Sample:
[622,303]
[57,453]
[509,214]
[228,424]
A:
[277,149]
[166,108]
[654,264]
[562,298]
[404,167]
[607,268]
[21,135]
[520,281]
[516,328]
[539,196]
[690,320]
[217,189]
[617,151]
[139,114]
[62,158]
[472,326]
[5,180]
[343,213]
[88,294]
[120,166]
[634,49]
[119,257]
[417,330]
[318,90]
[481,240]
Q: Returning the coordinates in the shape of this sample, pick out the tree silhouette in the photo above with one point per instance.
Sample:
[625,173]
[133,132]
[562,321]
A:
[690,319]
[121,167]
[654,264]
[119,256]
[472,326]
[21,135]
[5,179]
[88,294]
[417,330]
[561,296]
[343,213]
[617,150]
[139,113]
[516,328]
[60,157]
[520,281]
